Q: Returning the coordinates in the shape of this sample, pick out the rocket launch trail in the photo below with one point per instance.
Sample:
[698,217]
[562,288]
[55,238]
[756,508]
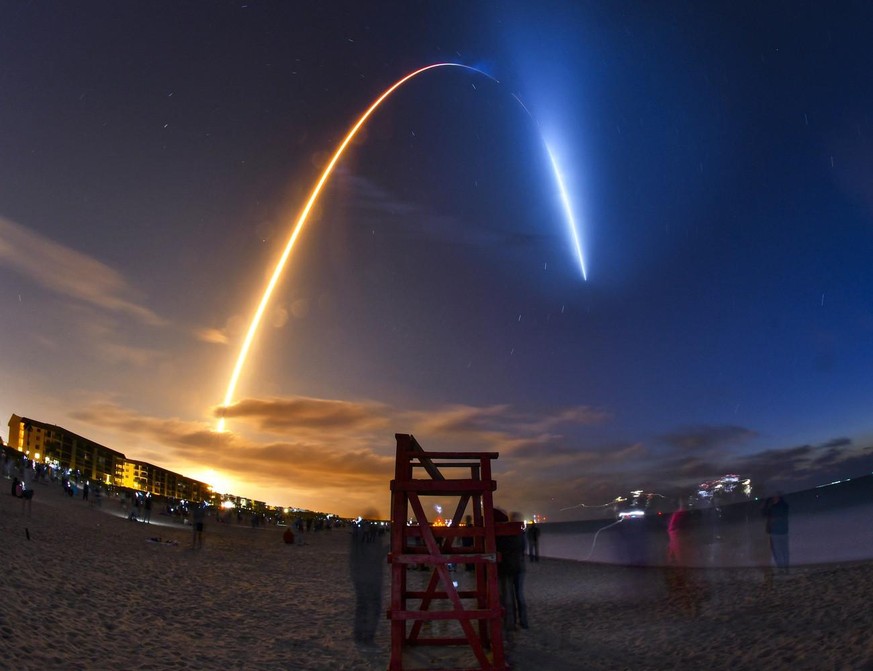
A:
[313,197]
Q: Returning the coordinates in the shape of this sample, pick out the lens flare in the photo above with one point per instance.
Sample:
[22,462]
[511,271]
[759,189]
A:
[313,196]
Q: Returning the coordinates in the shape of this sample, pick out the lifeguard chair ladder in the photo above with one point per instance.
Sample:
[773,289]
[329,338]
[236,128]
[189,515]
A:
[421,544]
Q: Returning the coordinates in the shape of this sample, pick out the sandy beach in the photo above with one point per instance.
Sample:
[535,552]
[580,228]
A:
[87,590]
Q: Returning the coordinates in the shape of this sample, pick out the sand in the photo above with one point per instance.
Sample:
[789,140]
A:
[87,591]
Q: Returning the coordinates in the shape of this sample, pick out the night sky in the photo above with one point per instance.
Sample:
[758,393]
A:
[719,157]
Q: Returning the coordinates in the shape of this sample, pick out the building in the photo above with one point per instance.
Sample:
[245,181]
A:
[60,448]
[54,445]
[146,477]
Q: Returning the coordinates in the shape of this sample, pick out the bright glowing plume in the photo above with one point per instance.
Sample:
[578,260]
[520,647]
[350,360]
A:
[568,208]
[301,220]
[313,196]
[565,198]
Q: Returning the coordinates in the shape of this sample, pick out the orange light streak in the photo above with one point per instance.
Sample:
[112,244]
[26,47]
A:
[298,227]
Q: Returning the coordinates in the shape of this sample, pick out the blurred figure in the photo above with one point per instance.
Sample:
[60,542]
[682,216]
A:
[758,548]
[198,515]
[533,541]
[510,571]
[366,565]
[147,508]
[776,514]
[27,489]
[679,547]
[681,591]
[632,539]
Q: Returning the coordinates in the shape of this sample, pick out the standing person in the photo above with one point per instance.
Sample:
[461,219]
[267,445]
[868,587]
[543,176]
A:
[366,566]
[85,490]
[147,508]
[533,541]
[27,488]
[198,515]
[680,549]
[681,590]
[776,514]
[510,571]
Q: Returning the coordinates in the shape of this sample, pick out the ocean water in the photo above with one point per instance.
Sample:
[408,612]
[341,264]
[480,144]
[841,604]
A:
[733,536]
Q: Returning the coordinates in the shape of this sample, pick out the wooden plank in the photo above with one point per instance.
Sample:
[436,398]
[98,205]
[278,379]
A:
[422,558]
[443,487]
[470,456]
[409,444]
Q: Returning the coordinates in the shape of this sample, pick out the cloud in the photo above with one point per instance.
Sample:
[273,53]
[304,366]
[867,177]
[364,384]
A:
[701,438]
[308,470]
[125,354]
[806,466]
[371,199]
[212,335]
[549,447]
[338,455]
[68,272]
[312,451]
[629,452]
[461,419]
[233,327]
[303,414]
[503,420]
[583,414]
[101,332]
[692,456]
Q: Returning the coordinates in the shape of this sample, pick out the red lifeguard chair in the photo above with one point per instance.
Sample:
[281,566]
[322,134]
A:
[416,542]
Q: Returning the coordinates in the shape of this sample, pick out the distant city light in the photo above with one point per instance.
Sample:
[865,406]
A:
[625,514]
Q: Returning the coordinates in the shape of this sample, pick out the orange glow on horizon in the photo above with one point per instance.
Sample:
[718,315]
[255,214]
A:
[221,483]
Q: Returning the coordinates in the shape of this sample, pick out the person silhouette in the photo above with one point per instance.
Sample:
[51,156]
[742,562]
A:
[776,514]
[681,589]
[511,572]
[147,508]
[27,488]
[198,516]
[533,541]
[366,564]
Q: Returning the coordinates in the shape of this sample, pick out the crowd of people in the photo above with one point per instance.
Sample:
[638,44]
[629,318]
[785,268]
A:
[517,544]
